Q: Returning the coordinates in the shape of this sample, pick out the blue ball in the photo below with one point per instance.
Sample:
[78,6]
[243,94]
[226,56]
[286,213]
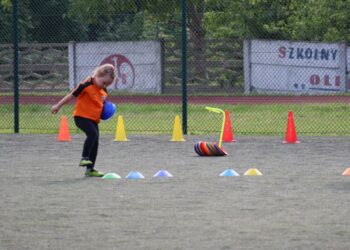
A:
[108,110]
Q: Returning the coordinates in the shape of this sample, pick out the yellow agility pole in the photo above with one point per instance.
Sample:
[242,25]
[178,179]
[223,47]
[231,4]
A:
[216,110]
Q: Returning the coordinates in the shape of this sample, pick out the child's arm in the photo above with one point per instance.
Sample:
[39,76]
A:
[55,108]
[77,91]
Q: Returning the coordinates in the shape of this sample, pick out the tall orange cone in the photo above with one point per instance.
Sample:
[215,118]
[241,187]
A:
[63,134]
[228,133]
[291,133]
[346,172]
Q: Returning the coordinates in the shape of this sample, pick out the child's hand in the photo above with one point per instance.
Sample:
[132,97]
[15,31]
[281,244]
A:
[55,109]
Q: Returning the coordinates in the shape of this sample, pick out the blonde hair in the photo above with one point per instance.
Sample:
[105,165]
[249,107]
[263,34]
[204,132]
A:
[102,70]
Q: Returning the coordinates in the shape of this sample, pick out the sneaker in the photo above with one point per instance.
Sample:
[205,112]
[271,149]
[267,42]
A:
[93,173]
[85,162]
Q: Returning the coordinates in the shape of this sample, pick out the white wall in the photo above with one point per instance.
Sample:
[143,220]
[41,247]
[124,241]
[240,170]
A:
[294,67]
[138,64]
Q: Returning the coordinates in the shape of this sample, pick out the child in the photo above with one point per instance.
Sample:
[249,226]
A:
[91,94]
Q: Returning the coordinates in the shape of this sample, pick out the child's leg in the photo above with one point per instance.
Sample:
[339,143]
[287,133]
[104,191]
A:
[89,128]
[94,150]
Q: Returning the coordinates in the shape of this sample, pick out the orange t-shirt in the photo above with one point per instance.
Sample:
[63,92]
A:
[90,100]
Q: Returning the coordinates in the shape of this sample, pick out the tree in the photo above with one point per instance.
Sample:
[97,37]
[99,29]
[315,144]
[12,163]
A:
[108,19]
[99,13]
[51,24]
[261,18]
[311,20]
[6,25]
[320,20]
[197,32]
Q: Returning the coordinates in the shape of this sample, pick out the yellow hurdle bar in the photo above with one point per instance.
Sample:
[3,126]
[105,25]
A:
[216,110]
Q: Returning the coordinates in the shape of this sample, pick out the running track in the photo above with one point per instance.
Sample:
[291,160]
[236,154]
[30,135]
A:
[192,99]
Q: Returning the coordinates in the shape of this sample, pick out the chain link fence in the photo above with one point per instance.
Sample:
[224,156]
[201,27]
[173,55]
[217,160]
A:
[256,59]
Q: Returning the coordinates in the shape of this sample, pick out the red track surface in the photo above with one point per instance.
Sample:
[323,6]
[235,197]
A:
[192,99]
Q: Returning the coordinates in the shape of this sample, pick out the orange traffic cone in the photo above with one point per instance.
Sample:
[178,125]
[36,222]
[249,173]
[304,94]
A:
[63,134]
[291,133]
[347,172]
[228,133]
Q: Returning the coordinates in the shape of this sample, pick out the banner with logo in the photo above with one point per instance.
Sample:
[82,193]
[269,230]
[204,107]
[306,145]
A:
[294,67]
[138,67]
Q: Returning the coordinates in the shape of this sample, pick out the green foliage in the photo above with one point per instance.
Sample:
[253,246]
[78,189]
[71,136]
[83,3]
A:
[5,26]
[88,20]
[51,24]
[24,23]
[129,28]
[6,4]
[312,20]
[320,20]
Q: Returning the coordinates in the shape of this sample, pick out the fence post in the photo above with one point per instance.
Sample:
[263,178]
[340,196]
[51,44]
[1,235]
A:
[343,67]
[72,58]
[184,66]
[162,81]
[15,64]
[247,65]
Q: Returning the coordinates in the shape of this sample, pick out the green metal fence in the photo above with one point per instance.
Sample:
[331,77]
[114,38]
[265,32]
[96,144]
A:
[256,59]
